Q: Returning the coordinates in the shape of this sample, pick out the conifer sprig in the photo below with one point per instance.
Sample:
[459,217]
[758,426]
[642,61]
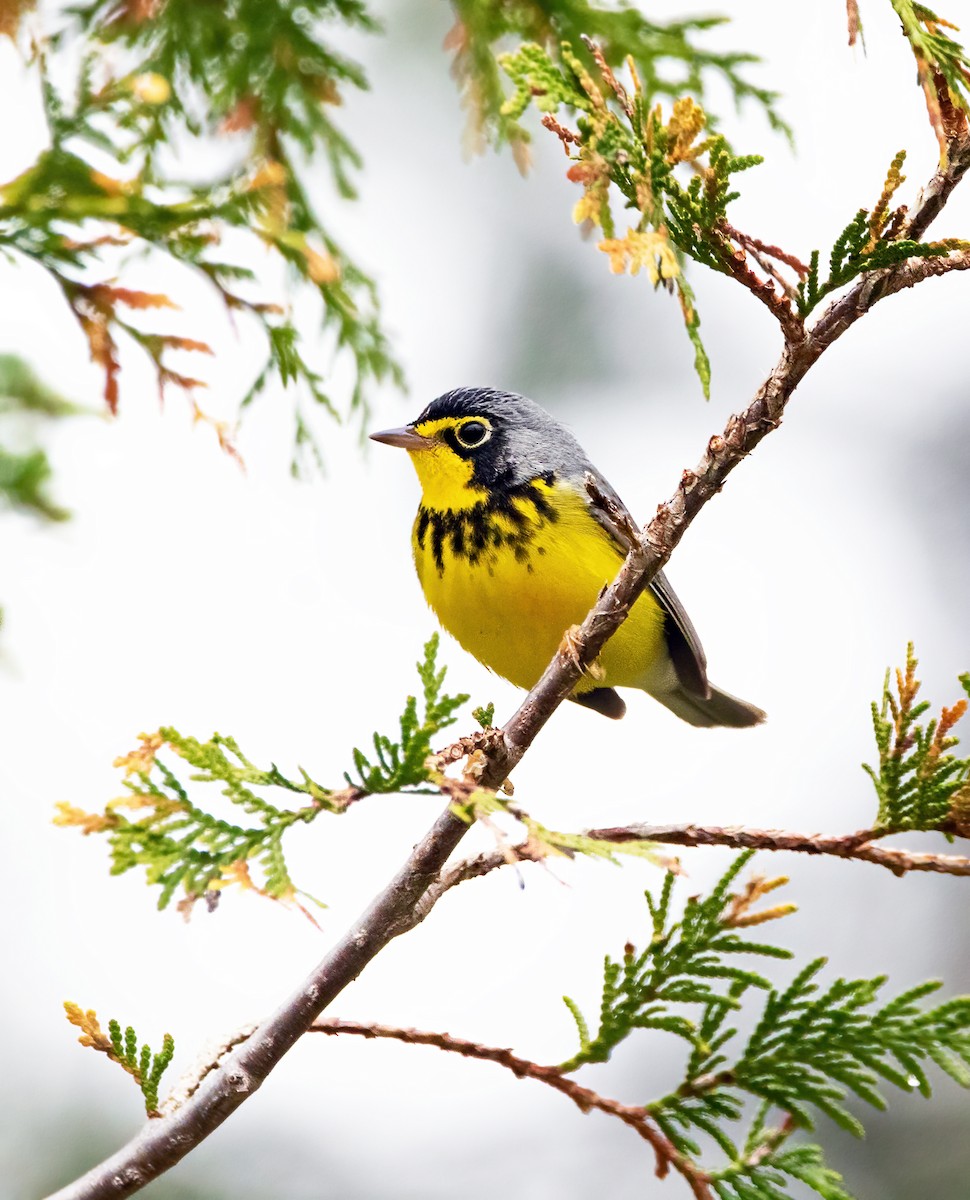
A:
[669,57]
[186,845]
[141,1064]
[680,178]
[25,470]
[869,242]
[810,1049]
[920,784]
[623,141]
[106,189]
[686,962]
[403,764]
[942,66]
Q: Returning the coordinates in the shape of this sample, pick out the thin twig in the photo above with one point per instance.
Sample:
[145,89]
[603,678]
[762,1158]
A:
[856,846]
[584,1098]
[853,20]
[779,305]
[410,895]
[770,251]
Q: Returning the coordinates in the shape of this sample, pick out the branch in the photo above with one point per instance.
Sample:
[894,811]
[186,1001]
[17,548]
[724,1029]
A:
[724,452]
[408,898]
[857,846]
[930,201]
[522,1068]
[164,1142]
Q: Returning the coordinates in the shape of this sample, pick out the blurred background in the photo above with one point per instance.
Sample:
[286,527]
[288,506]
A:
[187,591]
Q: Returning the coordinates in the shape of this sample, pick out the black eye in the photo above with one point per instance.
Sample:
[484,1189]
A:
[472,434]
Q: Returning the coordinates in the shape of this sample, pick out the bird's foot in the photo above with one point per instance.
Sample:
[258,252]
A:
[571,647]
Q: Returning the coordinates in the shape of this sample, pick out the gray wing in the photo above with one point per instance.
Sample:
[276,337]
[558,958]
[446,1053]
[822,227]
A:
[686,652]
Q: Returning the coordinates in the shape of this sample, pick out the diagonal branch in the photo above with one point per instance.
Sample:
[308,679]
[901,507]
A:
[164,1142]
[409,896]
[724,452]
[522,1068]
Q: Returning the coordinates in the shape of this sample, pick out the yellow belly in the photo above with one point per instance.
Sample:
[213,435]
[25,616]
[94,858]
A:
[511,606]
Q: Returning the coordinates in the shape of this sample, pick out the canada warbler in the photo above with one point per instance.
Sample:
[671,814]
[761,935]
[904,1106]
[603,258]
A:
[512,547]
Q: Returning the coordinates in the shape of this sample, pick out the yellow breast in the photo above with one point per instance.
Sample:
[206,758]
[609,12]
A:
[507,577]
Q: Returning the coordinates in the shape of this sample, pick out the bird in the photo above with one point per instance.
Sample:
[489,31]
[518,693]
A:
[517,534]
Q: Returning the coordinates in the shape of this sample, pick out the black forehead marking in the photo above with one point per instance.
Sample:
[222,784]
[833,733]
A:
[487,402]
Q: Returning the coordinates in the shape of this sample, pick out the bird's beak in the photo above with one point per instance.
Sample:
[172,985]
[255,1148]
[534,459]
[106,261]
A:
[405,437]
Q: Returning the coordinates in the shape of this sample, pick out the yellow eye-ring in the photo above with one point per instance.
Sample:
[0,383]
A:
[472,433]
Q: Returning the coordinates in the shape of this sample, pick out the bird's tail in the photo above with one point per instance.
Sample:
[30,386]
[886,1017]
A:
[718,709]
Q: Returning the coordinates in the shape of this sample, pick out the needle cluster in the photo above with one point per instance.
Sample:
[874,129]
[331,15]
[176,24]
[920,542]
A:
[919,783]
[200,848]
[676,177]
[131,89]
[670,57]
[141,1064]
[811,1047]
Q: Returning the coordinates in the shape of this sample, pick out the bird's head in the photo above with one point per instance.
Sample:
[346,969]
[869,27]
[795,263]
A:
[473,442]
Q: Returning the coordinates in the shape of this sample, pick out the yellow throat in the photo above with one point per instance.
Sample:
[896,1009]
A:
[509,570]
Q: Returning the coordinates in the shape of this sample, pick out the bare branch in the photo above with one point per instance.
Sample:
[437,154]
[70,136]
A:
[408,898]
[856,846]
[522,1068]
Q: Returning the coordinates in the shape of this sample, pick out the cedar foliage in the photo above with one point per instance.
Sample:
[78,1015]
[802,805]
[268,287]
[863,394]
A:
[195,848]
[813,1046]
[810,1049]
[106,187]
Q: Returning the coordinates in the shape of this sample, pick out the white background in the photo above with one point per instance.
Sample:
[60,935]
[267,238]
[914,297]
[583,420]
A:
[185,591]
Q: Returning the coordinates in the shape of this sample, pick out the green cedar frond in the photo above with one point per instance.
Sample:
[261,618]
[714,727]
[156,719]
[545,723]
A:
[622,141]
[25,470]
[484,714]
[402,764]
[768,1177]
[103,191]
[683,963]
[919,784]
[23,484]
[186,846]
[669,57]
[868,243]
[811,1047]
[142,1065]
[23,391]
[935,51]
